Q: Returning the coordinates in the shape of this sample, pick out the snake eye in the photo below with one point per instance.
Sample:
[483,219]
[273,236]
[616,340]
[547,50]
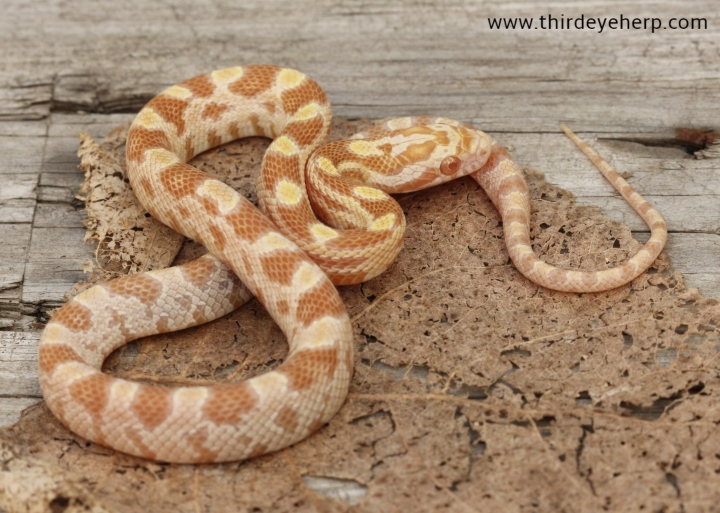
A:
[450,165]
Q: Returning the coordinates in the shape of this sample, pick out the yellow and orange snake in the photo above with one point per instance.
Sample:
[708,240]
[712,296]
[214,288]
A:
[328,219]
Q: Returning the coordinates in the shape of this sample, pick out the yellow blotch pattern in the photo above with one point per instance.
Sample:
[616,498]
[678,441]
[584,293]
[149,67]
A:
[285,145]
[383,223]
[288,192]
[224,76]
[288,78]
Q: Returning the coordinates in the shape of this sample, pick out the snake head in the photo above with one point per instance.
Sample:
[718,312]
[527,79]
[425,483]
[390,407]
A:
[462,149]
[442,147]
[414,153]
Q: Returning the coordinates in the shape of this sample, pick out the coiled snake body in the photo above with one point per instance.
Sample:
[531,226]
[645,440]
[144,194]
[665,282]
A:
[346,230]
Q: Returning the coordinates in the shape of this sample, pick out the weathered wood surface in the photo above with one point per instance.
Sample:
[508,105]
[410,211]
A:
[626,91]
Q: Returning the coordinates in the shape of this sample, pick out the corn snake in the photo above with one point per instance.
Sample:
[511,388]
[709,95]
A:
[344,229]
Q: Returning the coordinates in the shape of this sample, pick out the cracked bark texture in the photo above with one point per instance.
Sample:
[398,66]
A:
[474,389]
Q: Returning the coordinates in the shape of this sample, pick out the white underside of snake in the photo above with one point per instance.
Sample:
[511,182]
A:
[327,219]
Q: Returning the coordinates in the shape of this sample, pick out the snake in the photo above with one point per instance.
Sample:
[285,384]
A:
[326,217]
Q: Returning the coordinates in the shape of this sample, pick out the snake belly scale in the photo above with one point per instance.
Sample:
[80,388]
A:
[327,219]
